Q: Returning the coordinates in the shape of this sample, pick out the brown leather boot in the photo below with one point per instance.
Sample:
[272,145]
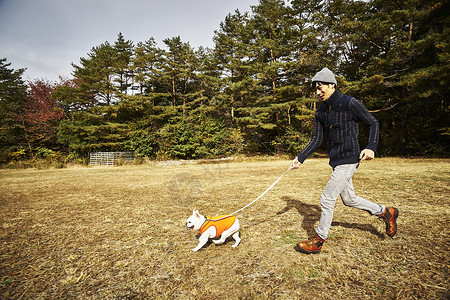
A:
[310,246]
[389,217]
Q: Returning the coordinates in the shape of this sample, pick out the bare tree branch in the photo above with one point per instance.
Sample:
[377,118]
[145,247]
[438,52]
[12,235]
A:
[383,109]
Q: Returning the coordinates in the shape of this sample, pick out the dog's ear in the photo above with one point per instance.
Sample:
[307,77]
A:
[196,213]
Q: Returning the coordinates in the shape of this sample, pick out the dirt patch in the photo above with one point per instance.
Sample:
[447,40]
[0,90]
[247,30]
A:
[118,232]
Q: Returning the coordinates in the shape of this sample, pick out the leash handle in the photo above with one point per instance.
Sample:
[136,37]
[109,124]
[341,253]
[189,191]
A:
[259,197]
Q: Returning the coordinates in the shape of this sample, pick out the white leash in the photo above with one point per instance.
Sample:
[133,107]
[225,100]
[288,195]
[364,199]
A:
[259,197]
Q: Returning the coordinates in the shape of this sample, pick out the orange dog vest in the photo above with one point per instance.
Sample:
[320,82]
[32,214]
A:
[220,225]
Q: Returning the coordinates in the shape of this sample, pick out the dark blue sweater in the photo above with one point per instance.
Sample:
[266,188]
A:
[339,118]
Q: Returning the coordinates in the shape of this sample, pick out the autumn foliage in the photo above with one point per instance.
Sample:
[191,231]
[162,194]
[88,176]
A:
[41,115]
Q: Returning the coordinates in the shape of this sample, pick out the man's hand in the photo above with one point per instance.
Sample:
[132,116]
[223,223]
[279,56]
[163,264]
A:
[366,154]
[295,163]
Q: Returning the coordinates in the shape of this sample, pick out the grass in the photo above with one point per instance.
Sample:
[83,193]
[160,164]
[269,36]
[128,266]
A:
[118,232]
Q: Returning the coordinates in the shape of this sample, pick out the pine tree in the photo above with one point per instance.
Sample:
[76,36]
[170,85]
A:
[12,97]
[269,54]
[232,54]
[178,67]
[208,79]
[96,74]
[402,69]
[88,132]
[145,66]
[123,51]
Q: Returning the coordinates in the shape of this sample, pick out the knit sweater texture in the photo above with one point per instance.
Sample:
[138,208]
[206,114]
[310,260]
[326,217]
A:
[338,118]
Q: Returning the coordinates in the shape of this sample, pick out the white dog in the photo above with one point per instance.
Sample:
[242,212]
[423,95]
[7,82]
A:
[213,227]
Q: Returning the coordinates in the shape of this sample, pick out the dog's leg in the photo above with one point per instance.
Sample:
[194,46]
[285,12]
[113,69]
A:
[230,231]
[201,242]
[236,238]
[226,234]
[222,239]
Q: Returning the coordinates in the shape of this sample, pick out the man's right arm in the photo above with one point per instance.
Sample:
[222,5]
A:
[314,143]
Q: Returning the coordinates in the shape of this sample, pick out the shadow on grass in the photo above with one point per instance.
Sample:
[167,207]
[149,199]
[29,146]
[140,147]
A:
[363,227]
[311,215]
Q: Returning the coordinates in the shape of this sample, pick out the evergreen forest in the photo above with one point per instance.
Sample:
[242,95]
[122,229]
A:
[249,94]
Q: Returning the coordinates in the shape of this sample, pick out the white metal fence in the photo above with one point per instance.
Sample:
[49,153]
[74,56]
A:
[111,158]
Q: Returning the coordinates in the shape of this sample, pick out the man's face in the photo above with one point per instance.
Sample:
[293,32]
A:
[324,90]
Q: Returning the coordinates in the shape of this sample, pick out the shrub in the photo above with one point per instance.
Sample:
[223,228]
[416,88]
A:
[194,140]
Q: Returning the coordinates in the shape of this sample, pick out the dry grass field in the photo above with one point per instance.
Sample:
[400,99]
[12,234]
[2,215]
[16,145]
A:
[119,232]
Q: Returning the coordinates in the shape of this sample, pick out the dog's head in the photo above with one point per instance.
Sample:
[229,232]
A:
[195,221]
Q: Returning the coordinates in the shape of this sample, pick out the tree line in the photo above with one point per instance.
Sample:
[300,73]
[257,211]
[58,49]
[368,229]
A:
[250,93]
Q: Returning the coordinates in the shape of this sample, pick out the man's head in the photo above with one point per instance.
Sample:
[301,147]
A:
[324,83]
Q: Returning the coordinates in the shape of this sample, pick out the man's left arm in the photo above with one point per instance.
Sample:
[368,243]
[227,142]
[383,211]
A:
[373,128]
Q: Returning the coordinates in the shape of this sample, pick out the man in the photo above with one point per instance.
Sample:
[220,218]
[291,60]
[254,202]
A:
[338,116]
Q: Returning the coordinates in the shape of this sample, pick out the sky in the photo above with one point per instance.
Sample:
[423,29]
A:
[47,36]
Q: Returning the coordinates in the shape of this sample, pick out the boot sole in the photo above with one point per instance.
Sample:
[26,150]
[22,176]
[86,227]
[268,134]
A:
[300,249]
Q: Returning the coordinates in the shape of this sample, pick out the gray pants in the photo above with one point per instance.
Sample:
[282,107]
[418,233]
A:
[341,184]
